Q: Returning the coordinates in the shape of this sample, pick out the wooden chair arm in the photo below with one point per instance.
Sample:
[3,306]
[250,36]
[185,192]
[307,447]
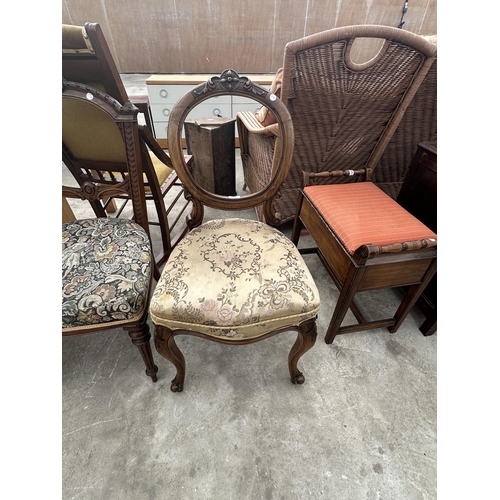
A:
[157,150]
[142,103]
[153,145]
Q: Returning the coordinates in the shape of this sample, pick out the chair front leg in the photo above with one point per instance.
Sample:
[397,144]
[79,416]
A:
[305,340]
[166,346]
[141,339]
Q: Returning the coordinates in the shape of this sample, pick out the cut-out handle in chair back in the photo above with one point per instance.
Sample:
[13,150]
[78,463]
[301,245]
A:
[344,112]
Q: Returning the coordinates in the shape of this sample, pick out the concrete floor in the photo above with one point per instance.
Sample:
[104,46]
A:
[363,426]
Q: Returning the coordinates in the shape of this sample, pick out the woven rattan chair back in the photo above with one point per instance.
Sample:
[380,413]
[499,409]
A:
[345,113]
[419,124]
[363,237]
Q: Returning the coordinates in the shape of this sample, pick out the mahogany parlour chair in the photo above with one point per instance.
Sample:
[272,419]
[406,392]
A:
[234,281]
[86,58]
[364,238]
[107,262]
[311,84]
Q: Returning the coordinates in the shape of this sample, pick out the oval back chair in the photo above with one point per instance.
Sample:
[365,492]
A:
[235,280]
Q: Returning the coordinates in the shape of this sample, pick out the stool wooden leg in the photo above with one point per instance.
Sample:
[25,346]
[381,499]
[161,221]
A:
[111,208]
[349,289]
[411,297]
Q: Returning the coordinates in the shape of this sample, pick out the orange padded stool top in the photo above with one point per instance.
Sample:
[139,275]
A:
[360,213]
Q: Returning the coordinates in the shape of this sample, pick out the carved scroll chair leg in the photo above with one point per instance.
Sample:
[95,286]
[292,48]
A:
[305,340]
[141,339]
[166,346]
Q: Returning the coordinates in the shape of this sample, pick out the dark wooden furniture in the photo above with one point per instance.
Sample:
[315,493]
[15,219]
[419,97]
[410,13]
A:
[418,196]
[86,58]
[364,238]
[142,104]
[419,124]
[211,143]
[234,281]
[107,262]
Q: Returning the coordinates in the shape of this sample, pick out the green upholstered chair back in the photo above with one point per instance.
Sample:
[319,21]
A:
[100,141]
[90,133]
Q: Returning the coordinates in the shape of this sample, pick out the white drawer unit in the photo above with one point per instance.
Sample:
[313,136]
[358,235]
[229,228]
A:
[216,106]
[165,90]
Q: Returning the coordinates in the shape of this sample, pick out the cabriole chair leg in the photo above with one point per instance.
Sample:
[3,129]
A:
[306,338]
[166,346]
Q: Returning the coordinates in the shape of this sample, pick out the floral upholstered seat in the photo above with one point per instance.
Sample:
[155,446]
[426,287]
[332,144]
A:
[105,273]
[258,282]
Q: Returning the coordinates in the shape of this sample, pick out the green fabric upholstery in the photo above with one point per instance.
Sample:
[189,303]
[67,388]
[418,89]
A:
[106,268]
[163,171]
[72,37]
[90,133]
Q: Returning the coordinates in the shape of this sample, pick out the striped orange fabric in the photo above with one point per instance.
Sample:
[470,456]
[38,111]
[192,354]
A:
[360,213]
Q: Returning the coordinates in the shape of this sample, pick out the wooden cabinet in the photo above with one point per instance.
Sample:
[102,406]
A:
[418,195]
[165,90]
[211,143]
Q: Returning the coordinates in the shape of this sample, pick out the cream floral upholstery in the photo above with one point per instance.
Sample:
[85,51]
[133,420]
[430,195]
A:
[259,282]
[106,267]
[233,281]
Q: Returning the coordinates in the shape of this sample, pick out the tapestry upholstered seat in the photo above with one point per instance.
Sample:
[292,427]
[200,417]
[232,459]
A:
[258,282]
[233,281]
[106,266]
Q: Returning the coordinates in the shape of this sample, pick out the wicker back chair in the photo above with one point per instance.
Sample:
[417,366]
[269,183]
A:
[365,239]
[344,114]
